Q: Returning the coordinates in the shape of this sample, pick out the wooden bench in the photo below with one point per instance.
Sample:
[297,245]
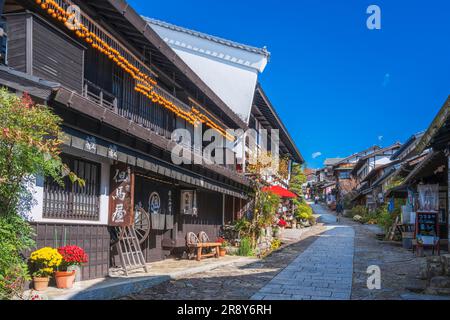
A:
[198,243]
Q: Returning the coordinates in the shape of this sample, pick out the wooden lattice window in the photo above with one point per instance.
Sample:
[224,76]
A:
[73,202]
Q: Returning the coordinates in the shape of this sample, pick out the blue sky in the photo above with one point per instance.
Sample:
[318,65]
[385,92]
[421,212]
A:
[338,86]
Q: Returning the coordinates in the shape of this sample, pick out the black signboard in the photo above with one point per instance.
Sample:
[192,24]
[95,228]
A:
[427,224]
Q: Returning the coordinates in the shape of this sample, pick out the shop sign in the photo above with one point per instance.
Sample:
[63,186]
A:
[154,203]
[90,144]
[121,197]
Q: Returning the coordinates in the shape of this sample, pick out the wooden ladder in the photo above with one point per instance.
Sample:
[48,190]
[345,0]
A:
[130,253]
[393,228]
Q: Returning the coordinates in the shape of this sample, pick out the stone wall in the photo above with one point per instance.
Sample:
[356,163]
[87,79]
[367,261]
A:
[437,273]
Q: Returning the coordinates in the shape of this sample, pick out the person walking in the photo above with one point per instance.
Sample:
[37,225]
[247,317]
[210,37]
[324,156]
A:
[339,211]
[316,200]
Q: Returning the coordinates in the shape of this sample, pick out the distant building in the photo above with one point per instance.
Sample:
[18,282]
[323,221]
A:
[368,169]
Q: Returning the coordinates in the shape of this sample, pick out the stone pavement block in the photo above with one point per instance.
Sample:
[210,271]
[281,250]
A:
[272,290]
[257,296]
[324,268]
[273,285]
[277,297]
[340,286]
[327,278]
[306,285]
[321,298]
[301,297]
[322,293]
[340,295]
[321,284]
[308,292]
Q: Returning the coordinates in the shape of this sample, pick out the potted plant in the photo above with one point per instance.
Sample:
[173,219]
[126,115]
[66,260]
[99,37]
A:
[294,223]
[276,231]
[223,246]
[44,262]
[282,223]
[72,257]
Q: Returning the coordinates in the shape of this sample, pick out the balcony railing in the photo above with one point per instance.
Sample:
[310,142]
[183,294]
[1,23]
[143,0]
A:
[99,96]
[140,114]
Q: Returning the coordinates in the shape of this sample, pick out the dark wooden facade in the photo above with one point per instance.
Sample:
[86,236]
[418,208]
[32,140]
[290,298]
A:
[45,52]
[17,30]
[96,99]
[95,240]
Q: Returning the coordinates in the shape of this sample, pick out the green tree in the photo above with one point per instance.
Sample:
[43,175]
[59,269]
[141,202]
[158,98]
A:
[30,140]
[298,178]
[265,203]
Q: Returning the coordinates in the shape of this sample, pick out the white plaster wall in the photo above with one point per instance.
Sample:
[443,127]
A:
[231,73]
[37,189]
[382,160]
[234,85]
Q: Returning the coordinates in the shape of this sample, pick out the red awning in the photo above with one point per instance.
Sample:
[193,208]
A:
[282,192]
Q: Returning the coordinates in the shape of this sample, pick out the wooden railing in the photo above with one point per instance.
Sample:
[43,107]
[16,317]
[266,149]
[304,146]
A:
[99,95]
[142,113]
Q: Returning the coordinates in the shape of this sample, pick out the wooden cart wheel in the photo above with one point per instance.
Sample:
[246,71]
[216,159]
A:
[142,224]
[203,237]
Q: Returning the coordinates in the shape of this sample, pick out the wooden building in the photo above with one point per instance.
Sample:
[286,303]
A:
[345,183]
[435,167]
[121,91]
[367,170]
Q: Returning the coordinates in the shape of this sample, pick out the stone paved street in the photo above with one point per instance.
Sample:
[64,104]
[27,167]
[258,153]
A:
[328,262]
[400,269]
[323,271]
[237,282]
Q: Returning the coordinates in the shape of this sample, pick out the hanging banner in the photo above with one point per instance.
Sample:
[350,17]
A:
[121,198]
[428,197]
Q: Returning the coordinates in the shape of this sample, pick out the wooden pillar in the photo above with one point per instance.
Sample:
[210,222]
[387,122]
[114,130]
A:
[447,153]
[234,210]
[223,209]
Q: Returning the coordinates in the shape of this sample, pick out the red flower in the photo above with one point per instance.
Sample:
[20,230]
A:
[73,255]
[27,102]
[6,132]
[282,223]
[220,240]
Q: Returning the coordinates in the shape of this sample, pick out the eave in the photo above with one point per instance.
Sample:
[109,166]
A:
[433,130]
[143,29]
[264,105]
[124,23]
[80,104]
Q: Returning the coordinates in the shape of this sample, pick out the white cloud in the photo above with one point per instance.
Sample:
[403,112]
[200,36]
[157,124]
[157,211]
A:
[315,155]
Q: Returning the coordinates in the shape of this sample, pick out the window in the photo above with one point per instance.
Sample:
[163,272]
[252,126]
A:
[71,201]
[189,202]
[344,175]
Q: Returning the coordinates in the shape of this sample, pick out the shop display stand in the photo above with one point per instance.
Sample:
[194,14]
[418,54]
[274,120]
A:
[427,224]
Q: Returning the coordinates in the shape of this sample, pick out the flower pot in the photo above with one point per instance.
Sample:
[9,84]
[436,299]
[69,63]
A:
[222,252]
[277,233]
[64,279]
[40,283]
[77,270]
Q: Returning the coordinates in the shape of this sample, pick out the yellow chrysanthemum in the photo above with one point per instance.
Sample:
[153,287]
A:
[46,260]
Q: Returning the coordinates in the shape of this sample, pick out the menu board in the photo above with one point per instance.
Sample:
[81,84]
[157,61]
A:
[427,224]
[121,213]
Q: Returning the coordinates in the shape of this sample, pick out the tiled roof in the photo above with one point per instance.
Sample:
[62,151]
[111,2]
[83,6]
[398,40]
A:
[332,161]
[205,36]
